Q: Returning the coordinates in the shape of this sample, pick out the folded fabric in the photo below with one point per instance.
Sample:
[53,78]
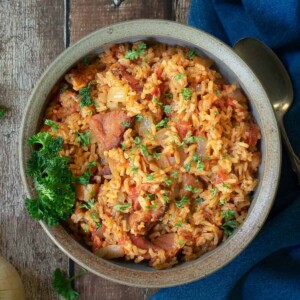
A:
[269,268]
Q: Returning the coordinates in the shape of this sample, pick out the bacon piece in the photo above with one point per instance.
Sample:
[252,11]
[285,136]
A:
[107,128]
[183,128]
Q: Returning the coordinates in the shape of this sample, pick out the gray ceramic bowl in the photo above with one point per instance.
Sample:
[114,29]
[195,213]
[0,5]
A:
[232,68]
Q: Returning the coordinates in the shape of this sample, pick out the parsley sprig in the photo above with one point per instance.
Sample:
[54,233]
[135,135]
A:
[52,124]
[85,177]
[135,54]
[52,179]
[230,223]
[63,285]
[86,98]
[83,138]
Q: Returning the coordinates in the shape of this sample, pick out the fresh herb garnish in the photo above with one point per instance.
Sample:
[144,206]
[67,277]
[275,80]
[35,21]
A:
[222,202]
[62,284]
[150,177]
[186,93]
[179,223]
[134,169]
[162,124]
[225,186]
[174,174]
[189,188]
[139,117]
[137,140]
[213,191]
[52,179]
[183,201]
[64,88]
[168,181]
[87,204]
[167,109]
[192,53]
[187,167]
[199,200]
[200,165]
[179,76]
[135,54]
[123,207]
[52,124]
[85,177]
[230,223]
[85,93]
[144,150]
[83,138]
[126,124]
[168,95]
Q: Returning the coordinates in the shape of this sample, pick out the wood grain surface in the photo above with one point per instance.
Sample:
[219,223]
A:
[85,17]
[31,36]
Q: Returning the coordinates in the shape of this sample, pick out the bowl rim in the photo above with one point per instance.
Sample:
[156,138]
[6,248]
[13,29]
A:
[225,252]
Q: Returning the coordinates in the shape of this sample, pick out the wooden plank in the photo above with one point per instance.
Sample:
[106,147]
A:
[85,17]
[31,35]
[89,15]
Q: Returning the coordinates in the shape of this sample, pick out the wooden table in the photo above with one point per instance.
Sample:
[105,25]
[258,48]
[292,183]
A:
[32,34]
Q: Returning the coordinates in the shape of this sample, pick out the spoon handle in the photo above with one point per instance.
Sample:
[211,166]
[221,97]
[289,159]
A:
[293,157]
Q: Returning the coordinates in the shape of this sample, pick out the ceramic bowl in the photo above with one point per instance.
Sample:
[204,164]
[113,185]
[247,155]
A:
[233,68]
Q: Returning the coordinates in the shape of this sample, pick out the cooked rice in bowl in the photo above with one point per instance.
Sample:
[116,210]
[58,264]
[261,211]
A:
[165,153]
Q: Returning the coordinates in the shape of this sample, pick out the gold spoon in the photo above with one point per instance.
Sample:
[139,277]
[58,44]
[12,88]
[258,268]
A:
[276,82]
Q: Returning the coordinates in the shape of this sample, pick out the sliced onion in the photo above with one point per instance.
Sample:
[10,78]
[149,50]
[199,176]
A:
[116,94]
[201,147]
[163,162]
[145,125]
[161,136]
[110,252]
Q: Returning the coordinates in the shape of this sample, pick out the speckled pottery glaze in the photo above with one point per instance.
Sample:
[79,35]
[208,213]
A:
[234,69]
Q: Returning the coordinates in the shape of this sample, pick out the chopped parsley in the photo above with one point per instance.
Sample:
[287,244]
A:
[222,202]
[87,204]
[155,155]
[167,109]
[149,196]
[225,186]
[52,124]
[226,156]
[213,191]
[85,93]
[150,177]
[94,215]
[162,124]
[84,179]
[187,167]
[184,200]
[64,88]
[165,198]
[137,140]
[52,179]
[179,76]
[186,93]
[144,150]
[126,124]
[189,188]
[83,138]
[179,223]
[174,174]
[122,207]
[135,54]
[168,181]
[200,165]
[228,214]
[139,117]
[199,200]
[218,92]
[180,242]
[134,169]
[230,223]
[191,54]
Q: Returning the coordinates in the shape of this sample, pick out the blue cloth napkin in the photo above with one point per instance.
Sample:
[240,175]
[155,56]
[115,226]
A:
[269,268]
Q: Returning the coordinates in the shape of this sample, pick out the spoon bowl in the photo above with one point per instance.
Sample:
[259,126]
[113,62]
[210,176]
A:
[276,82]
